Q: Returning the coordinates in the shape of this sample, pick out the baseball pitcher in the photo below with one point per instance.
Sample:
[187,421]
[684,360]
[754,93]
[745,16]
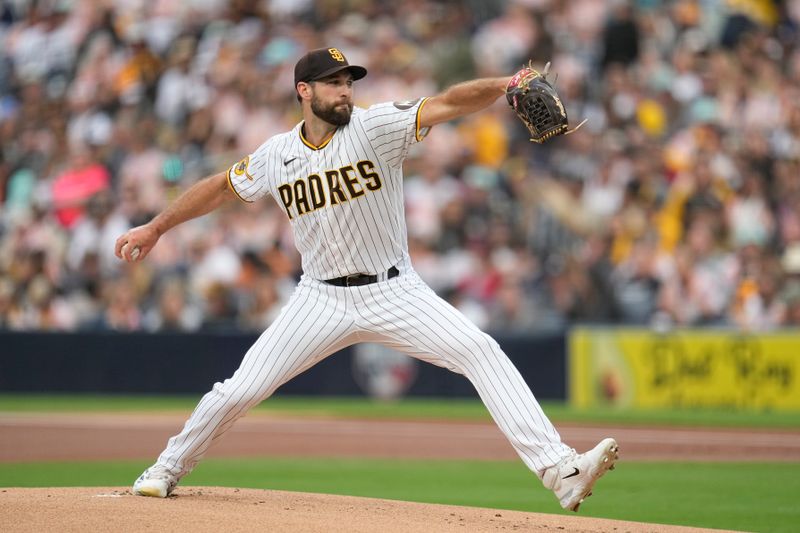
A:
[338,177]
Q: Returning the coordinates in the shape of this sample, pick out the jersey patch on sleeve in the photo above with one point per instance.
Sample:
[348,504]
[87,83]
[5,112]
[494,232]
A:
[240,168]
[405,104]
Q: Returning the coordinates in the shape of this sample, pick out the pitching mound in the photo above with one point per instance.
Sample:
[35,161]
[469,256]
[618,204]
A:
[212,509]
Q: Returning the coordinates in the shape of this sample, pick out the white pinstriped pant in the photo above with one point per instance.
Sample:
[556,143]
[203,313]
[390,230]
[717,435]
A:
[403,313]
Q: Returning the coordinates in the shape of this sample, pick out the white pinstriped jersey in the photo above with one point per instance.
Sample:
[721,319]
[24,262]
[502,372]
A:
[344,198]
[345,202]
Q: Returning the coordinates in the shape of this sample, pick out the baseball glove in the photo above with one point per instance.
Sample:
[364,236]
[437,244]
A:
[537,104]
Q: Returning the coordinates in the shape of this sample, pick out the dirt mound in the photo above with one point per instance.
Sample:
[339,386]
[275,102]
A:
[212,509]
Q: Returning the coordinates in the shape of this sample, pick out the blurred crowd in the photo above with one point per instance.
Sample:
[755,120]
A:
[678,204]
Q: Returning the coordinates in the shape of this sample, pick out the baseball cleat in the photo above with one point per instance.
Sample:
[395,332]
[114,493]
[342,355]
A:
[573,478]
[157,482]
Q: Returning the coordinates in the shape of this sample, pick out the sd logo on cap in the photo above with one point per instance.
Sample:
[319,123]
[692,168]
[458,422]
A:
[323,62]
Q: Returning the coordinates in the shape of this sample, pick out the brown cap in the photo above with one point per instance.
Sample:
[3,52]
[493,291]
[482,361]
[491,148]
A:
[323,62]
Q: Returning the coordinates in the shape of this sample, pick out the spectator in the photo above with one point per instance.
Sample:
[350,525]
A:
[512,310]
[121,311]
[637,284]
[83,177]
[620,36]
[263,305]
[749,217]
[220,311]
[95,232]
[172,312]
[791,299]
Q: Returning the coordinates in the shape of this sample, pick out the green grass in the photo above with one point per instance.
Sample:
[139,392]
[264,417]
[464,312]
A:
[740,496]
[420,408]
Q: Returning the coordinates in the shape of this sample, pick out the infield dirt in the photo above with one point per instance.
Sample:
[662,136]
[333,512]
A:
[214,509]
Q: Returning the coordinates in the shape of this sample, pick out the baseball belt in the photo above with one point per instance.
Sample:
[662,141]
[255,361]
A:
[355,280]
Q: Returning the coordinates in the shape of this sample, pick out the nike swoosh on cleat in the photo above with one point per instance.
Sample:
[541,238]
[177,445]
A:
[285,163]
[573,474]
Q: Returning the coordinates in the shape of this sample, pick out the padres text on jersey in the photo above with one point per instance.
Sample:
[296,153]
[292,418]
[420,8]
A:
[338,186]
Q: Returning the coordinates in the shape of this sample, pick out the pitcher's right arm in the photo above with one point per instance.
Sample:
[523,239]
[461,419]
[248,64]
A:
[200,199]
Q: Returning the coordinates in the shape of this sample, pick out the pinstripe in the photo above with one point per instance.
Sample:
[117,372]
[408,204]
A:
[542,422]
[508,379]
[314,240]
[475,374]
[362,234]
[359,207]
[267,380]
[375,116]
[387,311]
[287,366]
[343,239]
[384,134]
[385,258]
[466,323]
[317,232]
[310,354]
[237,410]
[346,262]
[418,334]
[334,249]
[499,401]
[351,209]
[389,303]
[217,402]
[444,329]
[384,152]
[393,180]
[396,216]
[307,239]
[249,186]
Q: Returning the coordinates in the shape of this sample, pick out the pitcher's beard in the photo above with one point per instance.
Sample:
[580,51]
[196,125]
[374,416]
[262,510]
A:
[331,113]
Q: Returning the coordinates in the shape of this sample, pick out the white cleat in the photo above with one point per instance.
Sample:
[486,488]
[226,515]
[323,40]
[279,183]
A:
[573,478]
[157,481]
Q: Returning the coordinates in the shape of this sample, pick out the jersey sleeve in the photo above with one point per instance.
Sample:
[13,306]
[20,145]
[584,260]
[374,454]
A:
[248,177]
[392,128]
